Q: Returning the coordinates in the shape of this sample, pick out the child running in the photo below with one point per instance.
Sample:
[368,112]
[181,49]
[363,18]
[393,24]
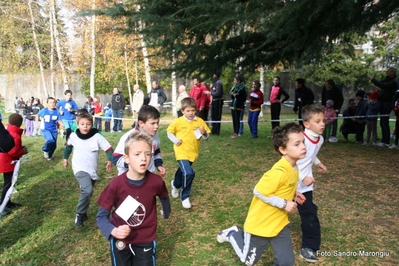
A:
[49,117]
[127,216]
[185,133]
[313,121]
[87,143]
[267,218]
[148,121]
[7,165]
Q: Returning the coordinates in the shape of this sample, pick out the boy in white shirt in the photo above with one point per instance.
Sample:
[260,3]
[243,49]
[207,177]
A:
[87,143]
[313,121]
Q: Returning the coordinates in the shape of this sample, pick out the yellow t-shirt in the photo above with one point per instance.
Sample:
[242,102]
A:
[184,130]
[264,219]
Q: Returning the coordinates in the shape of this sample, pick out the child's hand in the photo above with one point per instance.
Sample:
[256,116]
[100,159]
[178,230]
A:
[322,168]
[179,142]
[202,130]
[25,149]
[108,166]
[299,198]
[121,232]
[162,171]
[291,206]
[308,180]
[65,163]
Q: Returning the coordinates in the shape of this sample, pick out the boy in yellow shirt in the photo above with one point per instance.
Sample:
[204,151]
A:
[186,132]
[267,218]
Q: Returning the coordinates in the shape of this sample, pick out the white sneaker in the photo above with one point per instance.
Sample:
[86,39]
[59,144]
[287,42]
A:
[382,144]
[175,192]
[392,146]
[186,203]
[365,144]
[223,235]
[45,154]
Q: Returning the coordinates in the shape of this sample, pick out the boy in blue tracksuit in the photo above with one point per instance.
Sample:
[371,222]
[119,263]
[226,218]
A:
[50,116]
[67,108]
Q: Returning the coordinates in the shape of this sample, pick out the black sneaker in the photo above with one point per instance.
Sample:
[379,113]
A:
[79,219]
[5,212]
[13,205]
[308,255]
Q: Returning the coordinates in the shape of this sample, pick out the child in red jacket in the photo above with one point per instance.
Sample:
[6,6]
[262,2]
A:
[6,159]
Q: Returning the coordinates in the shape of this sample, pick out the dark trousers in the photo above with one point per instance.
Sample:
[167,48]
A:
[310,225]
[335,126]
[360,127]
[204,114]
[275,109]
[6,185]
[396,132]
[184,178]
[216,114]
[107,125]
[386,108]
[98,123]
[129,254]
[236,114]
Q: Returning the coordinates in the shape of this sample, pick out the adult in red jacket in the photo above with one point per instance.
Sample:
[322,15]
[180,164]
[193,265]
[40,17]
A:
[6,158]
[198,93]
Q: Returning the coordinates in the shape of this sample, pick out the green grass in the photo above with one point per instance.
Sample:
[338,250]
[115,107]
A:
[357,202]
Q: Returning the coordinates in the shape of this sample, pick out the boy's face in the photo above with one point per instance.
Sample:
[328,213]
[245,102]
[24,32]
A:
[315,123]
[295,148]
[51,104]
[189,112]
[139,157]
[85,125]
[329,106]
[68,97]
[150,126]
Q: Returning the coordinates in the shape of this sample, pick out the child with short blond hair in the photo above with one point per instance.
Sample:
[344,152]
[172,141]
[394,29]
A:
[131,231]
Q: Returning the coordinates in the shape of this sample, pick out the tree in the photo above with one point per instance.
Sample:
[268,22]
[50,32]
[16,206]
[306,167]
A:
[207,35]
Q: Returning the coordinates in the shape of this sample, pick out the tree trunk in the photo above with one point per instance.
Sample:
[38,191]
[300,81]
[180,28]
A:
[127,77]
[174,88]
[58,46]
[51,49]
[39,57]
[262,85]
[147,69]
[93,51]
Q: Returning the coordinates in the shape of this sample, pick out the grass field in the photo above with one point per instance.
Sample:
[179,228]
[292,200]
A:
[357,199]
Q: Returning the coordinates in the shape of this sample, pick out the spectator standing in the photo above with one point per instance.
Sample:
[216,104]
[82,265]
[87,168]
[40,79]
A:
[197,92]
[349,125]
[329,117]
[89,105]
[396,112]
[118,105]
[36,107]
[275,101]
[107,117]
[360,113]
[303,96]
[157,95]
[98,112]
[138,100]
[332,91]
[216,103]
[182,94]
[373,107]
[6,158]
[29,123]
[238,96]
[255,106]
[6,139]
[388,87]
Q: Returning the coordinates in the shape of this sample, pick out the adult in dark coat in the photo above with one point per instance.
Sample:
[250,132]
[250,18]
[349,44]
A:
[6,140]
[217,103]
[332,91]
[388,87]
[349,125]
[303,96]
